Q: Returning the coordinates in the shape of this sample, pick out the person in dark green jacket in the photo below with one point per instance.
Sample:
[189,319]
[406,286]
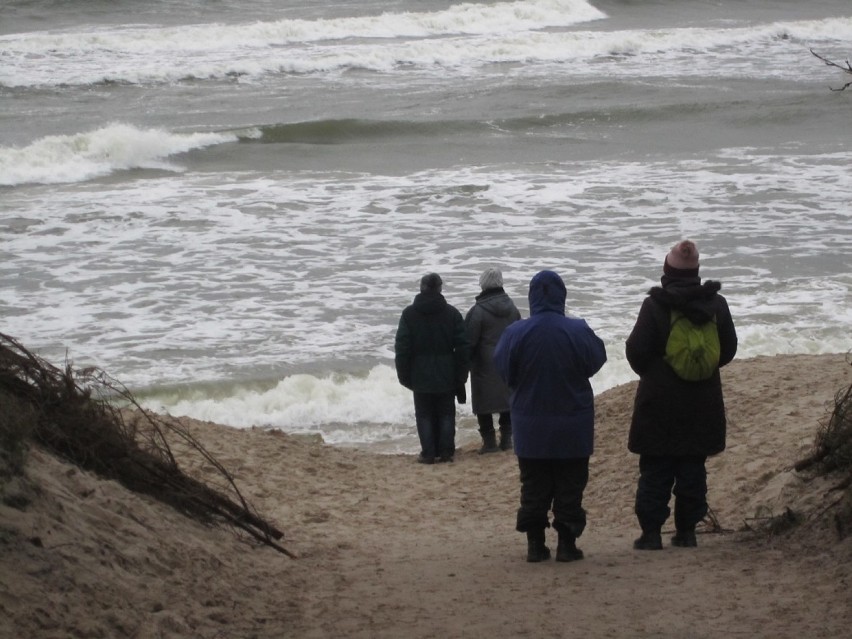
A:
[432,357]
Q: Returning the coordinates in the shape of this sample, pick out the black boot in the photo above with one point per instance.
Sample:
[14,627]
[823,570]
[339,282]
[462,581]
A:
[649,540]
[567,549]
[536,549]
[489,442]
[505,438]
[685,538]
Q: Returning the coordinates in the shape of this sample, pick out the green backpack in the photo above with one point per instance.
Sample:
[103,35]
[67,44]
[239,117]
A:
[692,350]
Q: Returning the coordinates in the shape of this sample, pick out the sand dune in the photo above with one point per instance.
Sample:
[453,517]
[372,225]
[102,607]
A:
[390,548]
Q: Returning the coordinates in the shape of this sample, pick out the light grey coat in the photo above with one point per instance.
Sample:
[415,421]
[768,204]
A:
[485,322]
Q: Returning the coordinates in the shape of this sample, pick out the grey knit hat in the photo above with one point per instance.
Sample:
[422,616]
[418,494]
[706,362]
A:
[491,278]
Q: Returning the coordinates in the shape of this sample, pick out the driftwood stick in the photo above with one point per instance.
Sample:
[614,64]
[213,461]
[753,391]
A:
[831,63]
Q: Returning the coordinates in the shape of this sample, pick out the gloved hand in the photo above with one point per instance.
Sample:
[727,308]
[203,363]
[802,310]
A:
[461,394]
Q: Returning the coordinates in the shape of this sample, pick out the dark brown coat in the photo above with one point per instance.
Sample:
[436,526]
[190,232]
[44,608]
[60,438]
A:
[672,416]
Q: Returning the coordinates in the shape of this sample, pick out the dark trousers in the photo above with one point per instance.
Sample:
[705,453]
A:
[435,414]
[662,476]
[486,422]
[556,484]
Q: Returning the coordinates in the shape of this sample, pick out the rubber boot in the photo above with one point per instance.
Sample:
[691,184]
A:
[649,540]
[567,549]
[536,549]
[685,538]
[505,438]
[489,442]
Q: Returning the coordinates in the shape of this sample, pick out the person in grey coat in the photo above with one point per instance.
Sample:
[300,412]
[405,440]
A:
[485,322]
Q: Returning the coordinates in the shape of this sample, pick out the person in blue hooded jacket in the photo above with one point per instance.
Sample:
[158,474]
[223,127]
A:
[547,361]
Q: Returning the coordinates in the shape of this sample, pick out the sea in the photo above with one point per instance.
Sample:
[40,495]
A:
[226,204]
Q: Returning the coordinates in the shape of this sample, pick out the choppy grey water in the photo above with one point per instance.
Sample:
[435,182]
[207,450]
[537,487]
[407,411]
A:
[227,205]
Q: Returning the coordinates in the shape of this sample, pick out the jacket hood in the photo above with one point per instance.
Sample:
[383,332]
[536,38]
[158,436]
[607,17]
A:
[695,300]
[547,293]
[496,302]
[429,303]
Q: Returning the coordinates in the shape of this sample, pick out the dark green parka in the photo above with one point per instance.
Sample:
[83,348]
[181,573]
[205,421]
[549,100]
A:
[672,416]
[432,352]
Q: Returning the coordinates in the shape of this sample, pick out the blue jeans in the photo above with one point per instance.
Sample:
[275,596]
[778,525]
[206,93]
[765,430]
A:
[435,414]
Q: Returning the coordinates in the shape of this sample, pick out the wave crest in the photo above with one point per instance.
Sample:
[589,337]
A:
[75,158]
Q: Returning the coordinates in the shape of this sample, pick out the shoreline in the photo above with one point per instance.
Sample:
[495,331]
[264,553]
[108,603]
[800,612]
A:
[467,434]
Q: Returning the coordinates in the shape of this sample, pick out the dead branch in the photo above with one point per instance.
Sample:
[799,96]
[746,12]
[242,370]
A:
[810,460]
[843,485]
[833,442]
[711,523]
[774,524]
[831,63]
[92,432]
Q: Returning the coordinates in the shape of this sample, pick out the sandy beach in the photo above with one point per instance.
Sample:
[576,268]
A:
[386,547]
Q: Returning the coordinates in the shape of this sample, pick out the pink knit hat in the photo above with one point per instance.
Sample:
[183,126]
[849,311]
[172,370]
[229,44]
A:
[682,260]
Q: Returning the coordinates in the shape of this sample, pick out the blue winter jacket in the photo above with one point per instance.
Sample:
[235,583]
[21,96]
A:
[547,361]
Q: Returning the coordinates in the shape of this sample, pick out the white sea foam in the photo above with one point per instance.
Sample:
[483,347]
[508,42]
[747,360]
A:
[369,410]
[146,54]
[207,278]
[462,38]
[74,158]
[282,276]
[465,18]
[301,401]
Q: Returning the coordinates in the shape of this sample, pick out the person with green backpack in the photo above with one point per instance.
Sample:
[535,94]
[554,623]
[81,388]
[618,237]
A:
[684,333]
